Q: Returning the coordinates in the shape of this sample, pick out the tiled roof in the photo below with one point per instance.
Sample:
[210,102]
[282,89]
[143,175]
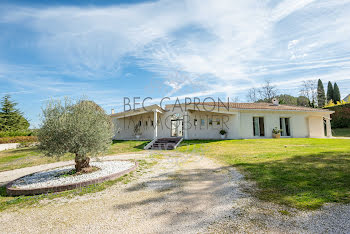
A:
[263,106]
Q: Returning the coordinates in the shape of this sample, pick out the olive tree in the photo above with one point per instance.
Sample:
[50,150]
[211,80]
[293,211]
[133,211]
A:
[78,127]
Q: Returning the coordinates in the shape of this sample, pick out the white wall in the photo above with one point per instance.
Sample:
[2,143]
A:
[8,146]
[298,123]
[228,122]
[124,127]
[316,126]
[237,124]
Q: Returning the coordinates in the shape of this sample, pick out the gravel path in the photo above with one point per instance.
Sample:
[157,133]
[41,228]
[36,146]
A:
[54,177]
[180,194]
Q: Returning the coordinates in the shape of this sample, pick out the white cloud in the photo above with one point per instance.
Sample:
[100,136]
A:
[216,48]
[287,7]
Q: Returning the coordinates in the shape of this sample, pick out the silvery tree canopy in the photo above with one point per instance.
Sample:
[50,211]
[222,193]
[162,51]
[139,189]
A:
[79,127]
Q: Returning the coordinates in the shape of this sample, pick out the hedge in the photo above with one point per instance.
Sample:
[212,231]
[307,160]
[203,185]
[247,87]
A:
[17,133]
[18,139]
[341,117]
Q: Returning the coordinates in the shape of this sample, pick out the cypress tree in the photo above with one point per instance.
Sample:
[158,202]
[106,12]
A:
[321,96]
[329,92]
[336,93]
[11,119]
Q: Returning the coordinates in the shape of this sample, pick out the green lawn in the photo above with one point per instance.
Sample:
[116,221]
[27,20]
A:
[302,173]
[31,156]
[119,147]
[341,132]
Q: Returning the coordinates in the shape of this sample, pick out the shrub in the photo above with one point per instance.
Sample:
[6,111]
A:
[276,130]
[16,133]
[18,139]
[341,117]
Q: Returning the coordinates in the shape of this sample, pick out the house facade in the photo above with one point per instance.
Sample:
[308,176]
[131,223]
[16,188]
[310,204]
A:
[204,121]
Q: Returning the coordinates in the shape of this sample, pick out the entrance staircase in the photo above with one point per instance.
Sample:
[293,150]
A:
[164,143]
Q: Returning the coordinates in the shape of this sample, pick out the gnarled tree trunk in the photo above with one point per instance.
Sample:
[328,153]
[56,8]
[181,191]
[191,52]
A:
[81,162]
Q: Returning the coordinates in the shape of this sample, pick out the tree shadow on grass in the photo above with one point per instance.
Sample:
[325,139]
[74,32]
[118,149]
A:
[305,181]
[141,145]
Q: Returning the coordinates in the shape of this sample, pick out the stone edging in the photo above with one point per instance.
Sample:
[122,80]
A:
[35,191]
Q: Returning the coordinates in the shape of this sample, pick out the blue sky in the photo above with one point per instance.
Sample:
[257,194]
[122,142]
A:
[108,50]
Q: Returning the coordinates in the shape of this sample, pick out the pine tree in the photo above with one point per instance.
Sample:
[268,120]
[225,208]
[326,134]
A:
[330,92]
[11,119]
[321,96]
[336,94]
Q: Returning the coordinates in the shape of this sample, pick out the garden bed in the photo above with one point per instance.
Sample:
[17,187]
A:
[61,179]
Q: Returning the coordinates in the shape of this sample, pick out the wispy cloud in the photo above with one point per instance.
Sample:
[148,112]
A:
[196,47]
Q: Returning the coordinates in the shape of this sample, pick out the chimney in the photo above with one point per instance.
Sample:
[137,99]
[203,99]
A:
[275,102]
[112,111]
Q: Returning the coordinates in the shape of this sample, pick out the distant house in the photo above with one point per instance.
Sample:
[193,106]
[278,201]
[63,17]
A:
[347,98]
[204,121]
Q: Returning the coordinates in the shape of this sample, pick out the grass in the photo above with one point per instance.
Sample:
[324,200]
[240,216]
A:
[31,156]
[8,202]
[25,157]
[341,132]
[119,147]
[301,173]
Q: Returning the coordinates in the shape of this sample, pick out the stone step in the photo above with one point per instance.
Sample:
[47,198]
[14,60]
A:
[165,143]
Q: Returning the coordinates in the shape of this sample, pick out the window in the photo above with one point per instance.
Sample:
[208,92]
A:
[202,122]
[217,121]
[152,122]
[140,123]
[285,126]
[195,122]
[258,126]
[146,123]
[210,122]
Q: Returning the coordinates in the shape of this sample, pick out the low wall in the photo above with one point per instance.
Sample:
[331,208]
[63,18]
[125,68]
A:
[9,146]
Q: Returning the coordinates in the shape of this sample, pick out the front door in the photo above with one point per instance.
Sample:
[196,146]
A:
[176,127]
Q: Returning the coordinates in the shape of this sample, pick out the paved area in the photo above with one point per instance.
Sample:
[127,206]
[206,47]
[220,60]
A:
[180,194]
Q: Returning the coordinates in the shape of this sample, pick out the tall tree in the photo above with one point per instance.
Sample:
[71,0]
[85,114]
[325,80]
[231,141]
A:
[336,94]
[252,95]
[81,128]
[309,90]
[11,119]
[321,96]
[267,91]
[330,92]
[263,94]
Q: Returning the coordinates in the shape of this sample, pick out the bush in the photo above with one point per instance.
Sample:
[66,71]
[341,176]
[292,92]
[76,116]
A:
[341,117]
[16,133]
[18,139]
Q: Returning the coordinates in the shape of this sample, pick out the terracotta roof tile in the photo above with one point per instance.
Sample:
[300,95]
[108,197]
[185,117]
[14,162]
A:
[263,106]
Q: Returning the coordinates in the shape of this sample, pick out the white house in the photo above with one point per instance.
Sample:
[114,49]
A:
[205,120]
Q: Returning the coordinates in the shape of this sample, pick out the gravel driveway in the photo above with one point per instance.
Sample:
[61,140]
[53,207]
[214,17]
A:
[180,194]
